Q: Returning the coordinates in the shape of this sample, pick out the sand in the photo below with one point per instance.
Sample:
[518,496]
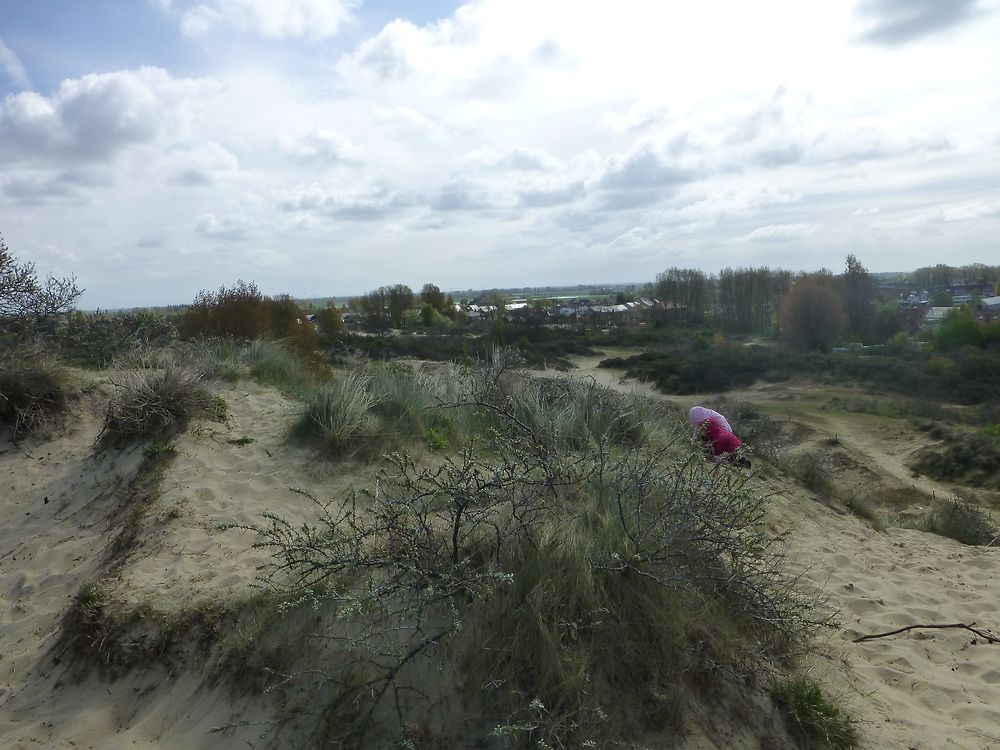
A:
[922,689]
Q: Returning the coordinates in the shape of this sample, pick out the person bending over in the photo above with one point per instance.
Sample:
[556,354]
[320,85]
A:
[718,437]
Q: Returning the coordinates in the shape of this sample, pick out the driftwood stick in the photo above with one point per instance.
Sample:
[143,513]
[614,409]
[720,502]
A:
[986,635]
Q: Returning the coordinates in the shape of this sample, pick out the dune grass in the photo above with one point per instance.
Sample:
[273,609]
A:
[156,392]
[815,720]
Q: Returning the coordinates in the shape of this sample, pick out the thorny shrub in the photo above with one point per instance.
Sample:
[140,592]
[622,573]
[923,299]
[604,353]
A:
[548,571]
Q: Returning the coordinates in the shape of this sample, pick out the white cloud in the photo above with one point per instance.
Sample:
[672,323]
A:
[227,228]
[98,115]
[358,203]
[321,146]
[778,233]
[972,211]
[13,68]
[271,19]
[200,165]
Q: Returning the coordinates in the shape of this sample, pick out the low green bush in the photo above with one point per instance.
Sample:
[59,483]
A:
[266,361]
[94,340]
[961,521]
[578,590]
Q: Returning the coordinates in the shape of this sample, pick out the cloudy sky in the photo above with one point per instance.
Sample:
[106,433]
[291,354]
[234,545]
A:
[325,147]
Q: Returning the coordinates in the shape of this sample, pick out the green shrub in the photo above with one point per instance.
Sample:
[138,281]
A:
[94,340]
[34,390]
[813,718]
[266,361]
[961,521]
[579,590]
[156,393]
[968,457]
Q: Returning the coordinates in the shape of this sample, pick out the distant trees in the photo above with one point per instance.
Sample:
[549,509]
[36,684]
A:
[858,292]
[242,312]
[747,298]
[811,315]
[959,328]
[433,296]
[238,312]
[941,299]
[686,292]
[24,298]
[943,276]
[384,307]
[330,321]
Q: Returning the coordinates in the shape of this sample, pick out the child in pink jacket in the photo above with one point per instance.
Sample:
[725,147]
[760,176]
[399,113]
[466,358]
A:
[714,429]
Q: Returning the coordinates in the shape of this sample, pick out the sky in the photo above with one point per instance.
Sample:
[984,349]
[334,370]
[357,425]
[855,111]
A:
[155,148]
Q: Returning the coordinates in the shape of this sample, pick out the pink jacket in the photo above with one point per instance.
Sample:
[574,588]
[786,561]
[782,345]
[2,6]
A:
[723,441]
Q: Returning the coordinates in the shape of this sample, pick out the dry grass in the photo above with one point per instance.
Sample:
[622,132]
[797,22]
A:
[35,390]
[156,393]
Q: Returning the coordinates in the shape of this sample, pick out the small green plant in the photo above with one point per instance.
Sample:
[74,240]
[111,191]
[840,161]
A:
[813,717]
[436,440]
[218,408]
[241,441]
[157,449]
[92,596]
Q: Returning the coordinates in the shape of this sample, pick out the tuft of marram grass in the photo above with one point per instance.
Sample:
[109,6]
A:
[34,390]
[339,412]
[814,719]
[156,391]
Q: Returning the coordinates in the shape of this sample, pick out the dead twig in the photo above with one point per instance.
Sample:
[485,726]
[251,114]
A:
[986,635]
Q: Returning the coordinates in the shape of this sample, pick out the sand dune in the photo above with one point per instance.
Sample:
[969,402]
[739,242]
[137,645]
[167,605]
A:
[62,508]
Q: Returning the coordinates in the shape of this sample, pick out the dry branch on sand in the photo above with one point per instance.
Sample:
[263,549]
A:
[986,635]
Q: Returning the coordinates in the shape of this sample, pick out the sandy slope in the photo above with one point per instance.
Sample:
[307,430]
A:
[929,689]
[924,689]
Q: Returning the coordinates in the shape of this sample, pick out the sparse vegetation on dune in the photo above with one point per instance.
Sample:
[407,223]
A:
[588,572]
[815,720]
[967,375]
